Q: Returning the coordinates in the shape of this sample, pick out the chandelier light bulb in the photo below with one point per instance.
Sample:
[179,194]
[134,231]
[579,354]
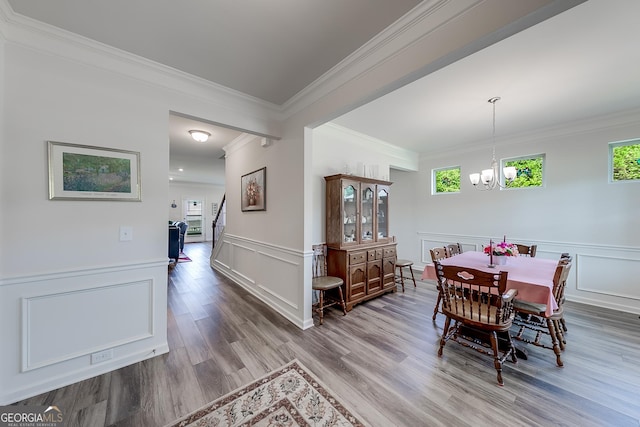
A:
[510,172]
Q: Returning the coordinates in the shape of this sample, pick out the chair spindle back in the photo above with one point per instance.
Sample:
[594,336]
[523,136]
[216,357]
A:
[560,281]
[474,295]
[454,249]
[527,250]
[319,260]
[439,253]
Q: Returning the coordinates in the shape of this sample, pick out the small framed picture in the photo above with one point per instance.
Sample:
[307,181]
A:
[83,172]
[253,187]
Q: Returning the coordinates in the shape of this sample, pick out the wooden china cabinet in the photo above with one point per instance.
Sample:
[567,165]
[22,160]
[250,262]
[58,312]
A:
[360,250]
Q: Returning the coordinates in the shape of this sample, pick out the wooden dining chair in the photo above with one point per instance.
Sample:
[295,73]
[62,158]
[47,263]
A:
[482,311]
[532,317]
[558,294]
[565,258]
[325,284]
[454,249]
[527,250]
[436,255]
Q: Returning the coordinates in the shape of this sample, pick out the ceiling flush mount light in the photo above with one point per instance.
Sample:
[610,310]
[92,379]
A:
[490,178]
[199,135]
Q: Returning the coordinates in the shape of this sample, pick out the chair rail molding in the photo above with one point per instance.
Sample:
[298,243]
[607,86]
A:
[278,276]
[66,326]
[603,274]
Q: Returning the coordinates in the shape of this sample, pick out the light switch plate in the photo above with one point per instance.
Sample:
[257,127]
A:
[126,233]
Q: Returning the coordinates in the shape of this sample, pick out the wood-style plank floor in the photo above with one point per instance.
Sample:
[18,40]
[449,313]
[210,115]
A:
[380,360]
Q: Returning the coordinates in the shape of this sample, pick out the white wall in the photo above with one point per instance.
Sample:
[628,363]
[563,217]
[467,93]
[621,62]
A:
[403,214]
[261,250]
[268,252]
[577,211]
[208,193]
[274,268]
[63,275]
[335,149]
[57,87]
[68,286]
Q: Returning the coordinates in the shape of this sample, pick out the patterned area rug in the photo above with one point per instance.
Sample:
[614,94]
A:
[183,258]
[289,396]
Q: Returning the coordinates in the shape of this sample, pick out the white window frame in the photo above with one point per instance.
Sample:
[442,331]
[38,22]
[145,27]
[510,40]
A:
[504,161]
[433,180]
[613,145]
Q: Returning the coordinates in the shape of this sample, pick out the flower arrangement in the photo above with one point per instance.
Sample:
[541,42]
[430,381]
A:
[253,189]
[502,249]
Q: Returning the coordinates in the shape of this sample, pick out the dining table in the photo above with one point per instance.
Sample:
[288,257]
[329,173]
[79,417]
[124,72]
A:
[532,277]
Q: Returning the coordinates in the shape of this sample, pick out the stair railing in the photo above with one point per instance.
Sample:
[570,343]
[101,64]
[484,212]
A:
[219,221]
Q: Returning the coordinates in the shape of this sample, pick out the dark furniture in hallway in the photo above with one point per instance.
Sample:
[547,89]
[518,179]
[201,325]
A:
[182,227]
[174,243]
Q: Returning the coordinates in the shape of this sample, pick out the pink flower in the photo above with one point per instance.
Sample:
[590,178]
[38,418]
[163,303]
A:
[502,249]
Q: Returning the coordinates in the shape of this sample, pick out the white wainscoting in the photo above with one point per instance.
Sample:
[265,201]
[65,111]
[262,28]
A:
[50,325]
[274,274]
[614,276]
[602,275]
[53,323]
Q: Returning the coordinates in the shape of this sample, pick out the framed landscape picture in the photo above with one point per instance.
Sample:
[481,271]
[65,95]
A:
[83,172]
[253,187]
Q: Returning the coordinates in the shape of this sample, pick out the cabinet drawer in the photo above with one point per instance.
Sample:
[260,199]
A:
[374,254]
[389,252]
[357,258]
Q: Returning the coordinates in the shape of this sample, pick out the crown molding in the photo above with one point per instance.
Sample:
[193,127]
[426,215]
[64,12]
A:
[239,142]
[384,45]
[577,127]
[426,38]
[5,9]
[370,142]
[398,157]
[411,36]
[38,36]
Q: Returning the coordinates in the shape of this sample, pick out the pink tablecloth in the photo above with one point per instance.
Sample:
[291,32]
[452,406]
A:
[532,277]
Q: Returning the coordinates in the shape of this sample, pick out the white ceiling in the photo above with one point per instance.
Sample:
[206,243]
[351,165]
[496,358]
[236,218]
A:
[269,49]
[191,161]
[580,64]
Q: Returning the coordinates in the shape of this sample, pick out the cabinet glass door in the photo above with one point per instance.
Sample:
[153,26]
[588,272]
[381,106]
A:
[383,213]
[367,217]
[350,220]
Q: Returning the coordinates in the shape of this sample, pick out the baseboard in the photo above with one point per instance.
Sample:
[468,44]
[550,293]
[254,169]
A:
[85,373]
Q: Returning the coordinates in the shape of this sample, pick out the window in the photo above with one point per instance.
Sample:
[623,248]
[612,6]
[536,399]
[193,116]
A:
[624,160]
[446,180]
[529,170]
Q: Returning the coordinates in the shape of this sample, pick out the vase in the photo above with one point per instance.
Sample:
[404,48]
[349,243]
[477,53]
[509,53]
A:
[252,201]
[500,259]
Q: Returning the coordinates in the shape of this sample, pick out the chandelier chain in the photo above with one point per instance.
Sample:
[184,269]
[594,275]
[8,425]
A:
[493,140]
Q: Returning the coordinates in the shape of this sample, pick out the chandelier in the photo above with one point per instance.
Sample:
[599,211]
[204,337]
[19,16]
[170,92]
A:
[490,178]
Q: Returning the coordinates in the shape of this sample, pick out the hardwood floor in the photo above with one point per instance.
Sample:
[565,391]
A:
[380,360]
